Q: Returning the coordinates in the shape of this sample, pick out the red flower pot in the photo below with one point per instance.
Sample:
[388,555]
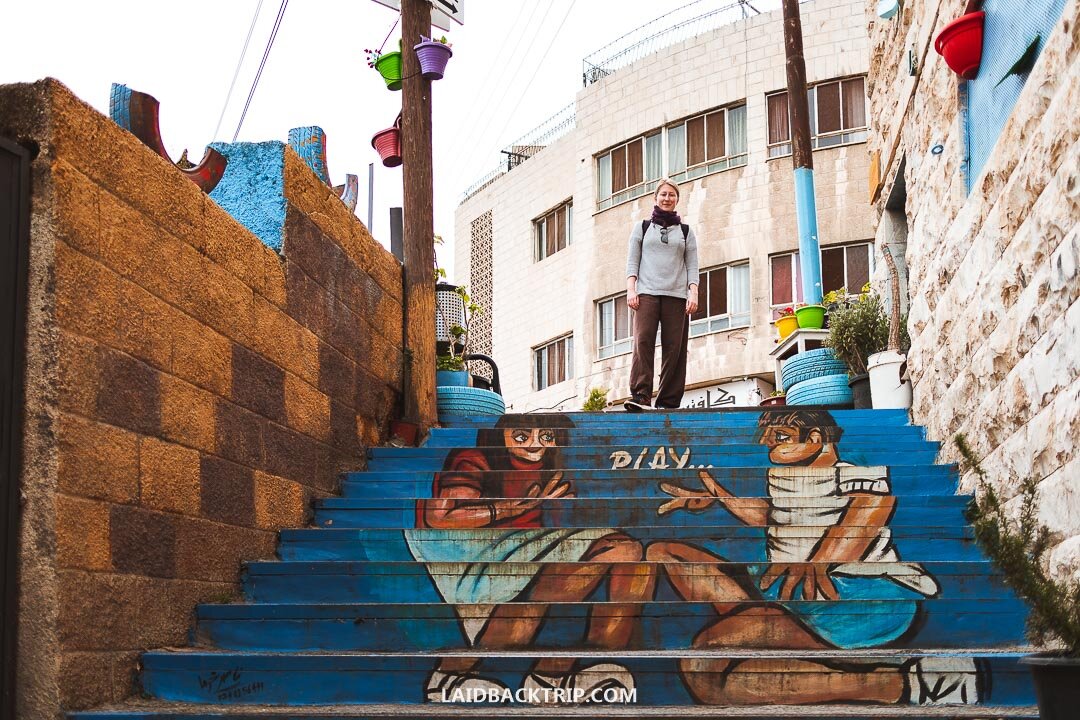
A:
[773,401]
[388,144]
[960,43]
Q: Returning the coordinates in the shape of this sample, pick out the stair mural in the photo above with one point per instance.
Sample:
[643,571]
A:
[784,562]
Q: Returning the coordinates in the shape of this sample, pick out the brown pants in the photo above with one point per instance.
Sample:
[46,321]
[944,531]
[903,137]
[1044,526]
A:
[670,313]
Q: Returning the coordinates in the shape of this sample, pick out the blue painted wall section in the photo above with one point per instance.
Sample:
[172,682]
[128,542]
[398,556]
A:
[1010,29]
[792,557]
[253,188]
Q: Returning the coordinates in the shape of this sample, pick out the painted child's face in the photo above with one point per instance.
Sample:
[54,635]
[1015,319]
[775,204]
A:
[784,445]
[528,444]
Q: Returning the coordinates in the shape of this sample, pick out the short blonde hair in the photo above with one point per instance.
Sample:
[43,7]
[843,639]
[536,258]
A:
[666,181]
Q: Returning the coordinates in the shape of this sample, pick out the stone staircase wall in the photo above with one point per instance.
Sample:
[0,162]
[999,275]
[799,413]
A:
[189,390]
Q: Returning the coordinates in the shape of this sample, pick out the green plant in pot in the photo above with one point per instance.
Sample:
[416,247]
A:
[596,401]
[1018,546]
[858,328]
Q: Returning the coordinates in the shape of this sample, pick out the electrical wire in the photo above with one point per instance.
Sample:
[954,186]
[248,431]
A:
[262,64]
[525,92]
[477,131]
[239,63]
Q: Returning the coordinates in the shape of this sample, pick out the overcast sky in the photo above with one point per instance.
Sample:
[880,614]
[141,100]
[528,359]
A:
[515,64]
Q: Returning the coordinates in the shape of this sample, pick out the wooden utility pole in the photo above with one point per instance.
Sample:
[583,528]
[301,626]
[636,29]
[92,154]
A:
[419,245]
[802,154]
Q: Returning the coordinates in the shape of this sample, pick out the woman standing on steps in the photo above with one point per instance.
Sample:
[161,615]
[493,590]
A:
[661,289]
[497,490]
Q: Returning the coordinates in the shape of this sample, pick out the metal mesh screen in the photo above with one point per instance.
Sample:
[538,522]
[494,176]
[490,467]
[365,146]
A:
[480,288]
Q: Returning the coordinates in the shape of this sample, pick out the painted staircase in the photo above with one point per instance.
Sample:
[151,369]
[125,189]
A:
[637,584]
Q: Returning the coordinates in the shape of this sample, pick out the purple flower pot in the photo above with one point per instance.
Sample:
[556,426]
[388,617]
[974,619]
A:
[433,57]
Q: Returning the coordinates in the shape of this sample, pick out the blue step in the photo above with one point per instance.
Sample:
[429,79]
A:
[672,625]
[672,435]
[748,481]
[359,678]
[735,418]
[575,458]
[390,581]
[953,542]
[914,511]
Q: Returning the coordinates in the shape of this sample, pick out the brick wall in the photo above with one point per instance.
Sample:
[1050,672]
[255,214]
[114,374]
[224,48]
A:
[189,390]
[995,323]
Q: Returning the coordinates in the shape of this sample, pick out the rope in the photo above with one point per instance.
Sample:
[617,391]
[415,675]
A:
[239,63]
[262,64]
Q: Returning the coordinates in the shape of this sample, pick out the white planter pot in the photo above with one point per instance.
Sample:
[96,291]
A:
[886,388]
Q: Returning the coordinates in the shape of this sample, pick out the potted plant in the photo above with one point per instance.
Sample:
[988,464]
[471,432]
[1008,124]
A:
[1018,546]
[787,323]
[889,384]
[596,401]
[433,56]
[388,65]
[776,397]
[858,328]
[960,42]
[810,316]
[388,144]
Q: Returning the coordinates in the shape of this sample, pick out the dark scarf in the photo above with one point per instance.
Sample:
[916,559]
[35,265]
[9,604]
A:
[665,218]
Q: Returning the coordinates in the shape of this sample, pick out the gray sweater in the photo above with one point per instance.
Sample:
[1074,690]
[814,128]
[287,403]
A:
[662,268]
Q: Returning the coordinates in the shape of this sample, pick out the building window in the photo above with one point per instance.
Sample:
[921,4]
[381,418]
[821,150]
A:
[707,143]
[629,171]
[723,300]
[837,116]
[554,231]
[615,320]
[846,266]
[554,362]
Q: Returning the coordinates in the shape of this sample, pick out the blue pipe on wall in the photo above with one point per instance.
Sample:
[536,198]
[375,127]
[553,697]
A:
[809,252]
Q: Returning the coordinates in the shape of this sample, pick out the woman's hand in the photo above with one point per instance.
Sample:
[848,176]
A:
[691,300]
[632,299]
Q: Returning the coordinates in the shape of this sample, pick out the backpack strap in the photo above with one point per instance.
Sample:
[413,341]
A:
[685,231]
[645,227]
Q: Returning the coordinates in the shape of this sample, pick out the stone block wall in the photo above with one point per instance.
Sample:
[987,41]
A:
[994,319]
[189,390]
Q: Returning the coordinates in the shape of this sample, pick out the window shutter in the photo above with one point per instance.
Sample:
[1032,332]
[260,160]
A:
[635,163]
[714,141]
[695,141]
[854,103]
[618,169]
[828,108]
[779,121]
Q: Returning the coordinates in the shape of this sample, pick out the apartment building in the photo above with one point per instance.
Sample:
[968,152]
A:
[543,245]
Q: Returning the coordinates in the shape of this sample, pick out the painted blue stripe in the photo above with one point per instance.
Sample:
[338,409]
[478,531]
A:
[809,250]
[603,447]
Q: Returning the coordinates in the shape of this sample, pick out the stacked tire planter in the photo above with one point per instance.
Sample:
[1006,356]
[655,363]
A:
[816,377]
[457,401]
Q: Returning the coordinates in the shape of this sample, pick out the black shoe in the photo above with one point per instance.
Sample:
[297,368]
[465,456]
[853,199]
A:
[636,405]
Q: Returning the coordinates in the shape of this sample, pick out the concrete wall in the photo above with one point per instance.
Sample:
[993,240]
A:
[745,213]
[995,323]
[188,391]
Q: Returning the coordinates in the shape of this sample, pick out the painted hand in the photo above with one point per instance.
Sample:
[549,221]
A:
[555,488]
[694,501]
[814,578]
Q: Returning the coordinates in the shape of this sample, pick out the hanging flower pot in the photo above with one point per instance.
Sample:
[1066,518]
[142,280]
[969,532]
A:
[960,43]
[433,56]
[389,66]
[811,316]
[388,144]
